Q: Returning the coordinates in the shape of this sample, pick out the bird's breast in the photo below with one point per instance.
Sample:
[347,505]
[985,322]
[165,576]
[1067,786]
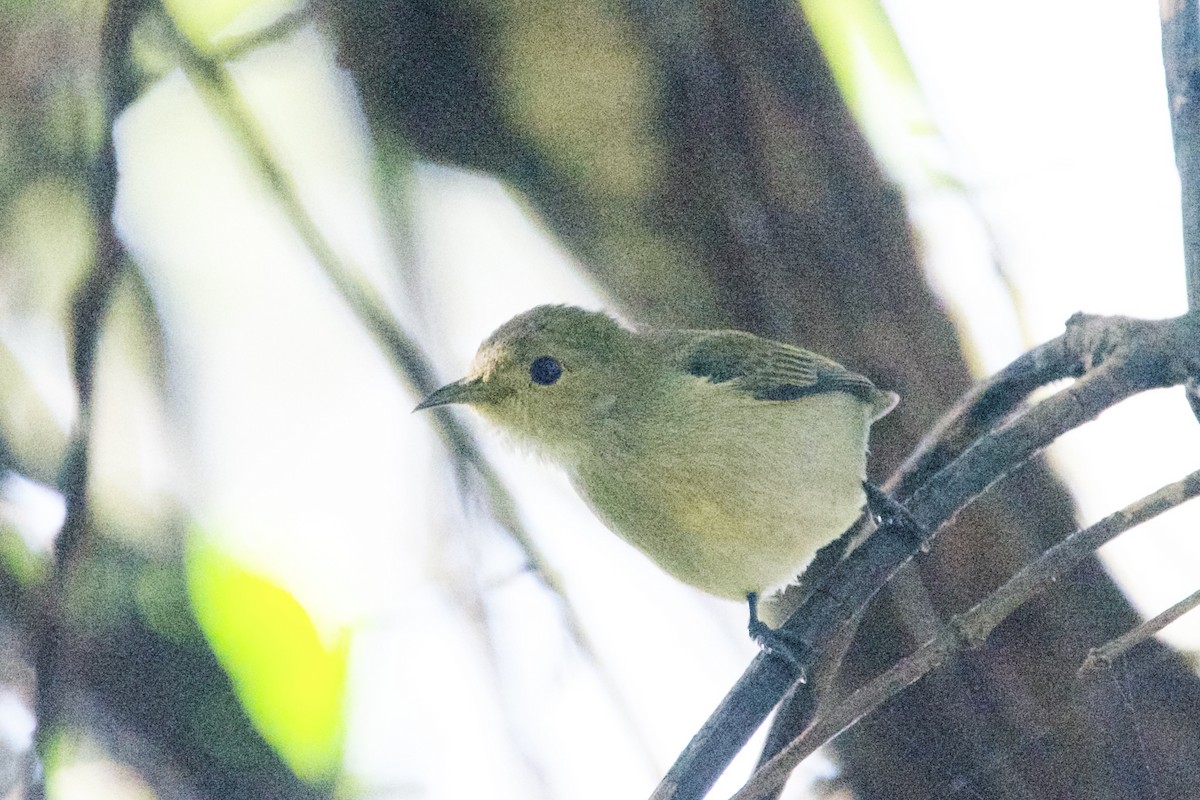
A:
[728,493]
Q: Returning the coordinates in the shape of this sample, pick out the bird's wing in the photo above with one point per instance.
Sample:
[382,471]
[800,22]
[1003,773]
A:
[769,370]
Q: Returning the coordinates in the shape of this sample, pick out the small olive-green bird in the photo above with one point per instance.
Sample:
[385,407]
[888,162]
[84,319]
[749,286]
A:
[726,458]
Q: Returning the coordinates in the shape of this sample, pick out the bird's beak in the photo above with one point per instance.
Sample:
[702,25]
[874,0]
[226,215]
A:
[467,390]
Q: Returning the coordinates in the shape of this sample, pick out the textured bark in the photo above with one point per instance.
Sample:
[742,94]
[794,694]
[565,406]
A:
[700,160]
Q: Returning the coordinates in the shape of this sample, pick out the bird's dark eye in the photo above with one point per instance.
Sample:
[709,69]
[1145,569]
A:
[545,370]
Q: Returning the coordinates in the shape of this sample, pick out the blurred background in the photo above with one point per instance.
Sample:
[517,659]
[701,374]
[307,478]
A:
[279,583]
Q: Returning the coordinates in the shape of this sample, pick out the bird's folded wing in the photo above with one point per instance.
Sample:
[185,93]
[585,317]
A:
[765,369]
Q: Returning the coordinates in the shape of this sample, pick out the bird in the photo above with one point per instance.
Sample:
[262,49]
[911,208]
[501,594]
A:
[727,458]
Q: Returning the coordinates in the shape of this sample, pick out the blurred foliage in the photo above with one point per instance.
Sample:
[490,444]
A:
[136,671]
[206,24]
[47,233]
[78,765]
[290,679]
[134,467]
[21,557]
[47,230]
[50,119]
[135,645]
[578,83]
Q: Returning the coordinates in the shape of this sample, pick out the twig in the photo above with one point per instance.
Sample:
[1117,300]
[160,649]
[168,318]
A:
[1103,694]
[983,407]
[217,88]
[1124,356]
[1181,63]
[968,630]
[91,300]
[1105,654]
[277,30]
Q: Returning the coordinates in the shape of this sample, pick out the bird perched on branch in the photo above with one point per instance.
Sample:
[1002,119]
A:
[726,458]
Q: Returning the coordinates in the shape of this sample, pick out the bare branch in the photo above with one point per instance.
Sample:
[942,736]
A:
[967,631]
[982,408]
[286,25]
[1108,702]
[1103,656]
[1119,356]
[92,298]
[1181,62]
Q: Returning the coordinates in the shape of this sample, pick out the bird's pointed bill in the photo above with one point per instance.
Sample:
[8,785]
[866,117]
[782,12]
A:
[467,390]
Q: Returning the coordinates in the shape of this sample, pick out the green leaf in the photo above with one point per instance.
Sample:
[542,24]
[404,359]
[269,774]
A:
[291,682]
[207,22]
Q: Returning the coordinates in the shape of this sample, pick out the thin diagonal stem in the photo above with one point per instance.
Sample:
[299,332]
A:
[1112,650]
[218,89]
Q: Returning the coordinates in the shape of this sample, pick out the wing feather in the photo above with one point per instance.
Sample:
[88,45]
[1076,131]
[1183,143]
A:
[769,370]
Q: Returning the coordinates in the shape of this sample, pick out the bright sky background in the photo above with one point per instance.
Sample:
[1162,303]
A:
[1067,149]
[296,452]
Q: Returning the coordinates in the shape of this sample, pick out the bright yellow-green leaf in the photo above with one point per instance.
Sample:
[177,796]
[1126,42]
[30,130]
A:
[854,34]
[291,683]
[876,78]
[205,22]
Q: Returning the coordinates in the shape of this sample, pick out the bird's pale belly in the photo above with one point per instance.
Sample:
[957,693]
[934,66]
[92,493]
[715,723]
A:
[733,514]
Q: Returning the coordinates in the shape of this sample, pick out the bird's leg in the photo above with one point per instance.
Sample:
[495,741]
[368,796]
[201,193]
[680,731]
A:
[889,512]
[785,644]
[792,649]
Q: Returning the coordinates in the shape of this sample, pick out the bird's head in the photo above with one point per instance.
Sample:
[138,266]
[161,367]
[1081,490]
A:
[549,376]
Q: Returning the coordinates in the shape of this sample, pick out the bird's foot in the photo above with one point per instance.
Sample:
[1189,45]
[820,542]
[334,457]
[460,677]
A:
[782,644]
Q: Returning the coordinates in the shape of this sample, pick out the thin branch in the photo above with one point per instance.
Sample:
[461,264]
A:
[91,300]
[217,88]
[968,630]
[988,403]
[1107,700]
[1105,654]
[1181,63]
[1123,356]
[281,28]
[123,666]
